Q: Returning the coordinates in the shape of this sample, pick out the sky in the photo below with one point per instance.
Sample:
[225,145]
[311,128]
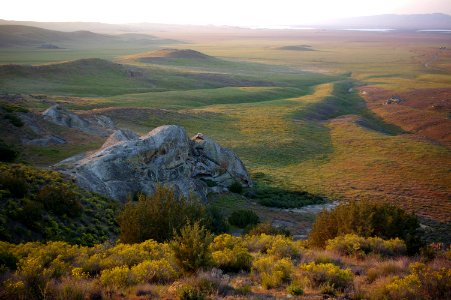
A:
[215,12]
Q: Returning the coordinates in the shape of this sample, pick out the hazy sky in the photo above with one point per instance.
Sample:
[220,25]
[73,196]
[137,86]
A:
[218,12]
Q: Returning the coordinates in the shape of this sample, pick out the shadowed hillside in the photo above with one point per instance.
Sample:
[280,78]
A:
[28,36]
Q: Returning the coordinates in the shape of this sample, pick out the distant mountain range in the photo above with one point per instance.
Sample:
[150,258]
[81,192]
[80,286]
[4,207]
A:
[434,21]
[401,22]
[28,36]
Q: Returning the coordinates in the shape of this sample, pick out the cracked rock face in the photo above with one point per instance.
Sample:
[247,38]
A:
[127,164]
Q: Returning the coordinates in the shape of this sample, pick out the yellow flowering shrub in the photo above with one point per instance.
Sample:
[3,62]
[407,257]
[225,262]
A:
[282,246]
[150,271]
[328,273]
[271,271]
[117,278]
[225,241]
[232,260]
[354,245]
[422,283]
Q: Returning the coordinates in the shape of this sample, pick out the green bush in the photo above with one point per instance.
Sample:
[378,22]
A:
[191,247]
[267,228]
[243,218]
[189,292]
[330,274]
[60,200]
[282,198]
[215,220]
[14,181]
[7,152]
[7,260]
[367,219]
[295,289]
[236,187]
[13,119]
[158,216]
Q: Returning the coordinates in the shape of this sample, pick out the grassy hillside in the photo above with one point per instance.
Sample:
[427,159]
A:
[97,77]
[27,36]
[38,205]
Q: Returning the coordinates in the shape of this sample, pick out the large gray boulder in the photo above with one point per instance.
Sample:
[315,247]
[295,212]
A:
[127,164]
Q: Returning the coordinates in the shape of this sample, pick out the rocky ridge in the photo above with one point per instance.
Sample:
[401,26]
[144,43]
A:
[127,164]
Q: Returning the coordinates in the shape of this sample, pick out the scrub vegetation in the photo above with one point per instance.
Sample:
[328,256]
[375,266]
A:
[308,113]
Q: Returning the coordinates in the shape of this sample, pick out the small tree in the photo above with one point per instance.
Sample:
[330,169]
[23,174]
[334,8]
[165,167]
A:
[242,218]
[157,216]
[191,247]
[367,219]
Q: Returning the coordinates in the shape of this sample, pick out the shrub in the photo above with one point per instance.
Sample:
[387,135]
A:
[13,119]
[236,187]
[230,254]
[387,268]
[158,216]
[422,283]
[272,272]
[233,260]
[226,241]
[353,245]
[7,260]
[320,274]
[281,198]
[191,247]
[283,247]
[267,228]
[295,289]
[117,278]
[243,218]
[215,220]
[14,181]
[366,219]
[7,152]
[73,289]
[60,199]
[154,271]
[189,292]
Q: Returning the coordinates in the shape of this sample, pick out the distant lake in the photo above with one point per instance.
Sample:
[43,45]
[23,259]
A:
[435,30]
[370,29]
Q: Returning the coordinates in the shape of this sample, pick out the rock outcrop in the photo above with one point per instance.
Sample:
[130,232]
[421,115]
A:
[127,164]
[96,124]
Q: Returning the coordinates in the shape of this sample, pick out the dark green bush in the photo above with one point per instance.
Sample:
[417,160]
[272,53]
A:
[158,216]
[236,187]
[243,218]
[7,260]
[268,229]
[14,181]
[7,152]
[13,108]
[30,213]
[191,247]
[13,119]
[215,220]
[367,219]
[281,198]
[60,200]
[188,292]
